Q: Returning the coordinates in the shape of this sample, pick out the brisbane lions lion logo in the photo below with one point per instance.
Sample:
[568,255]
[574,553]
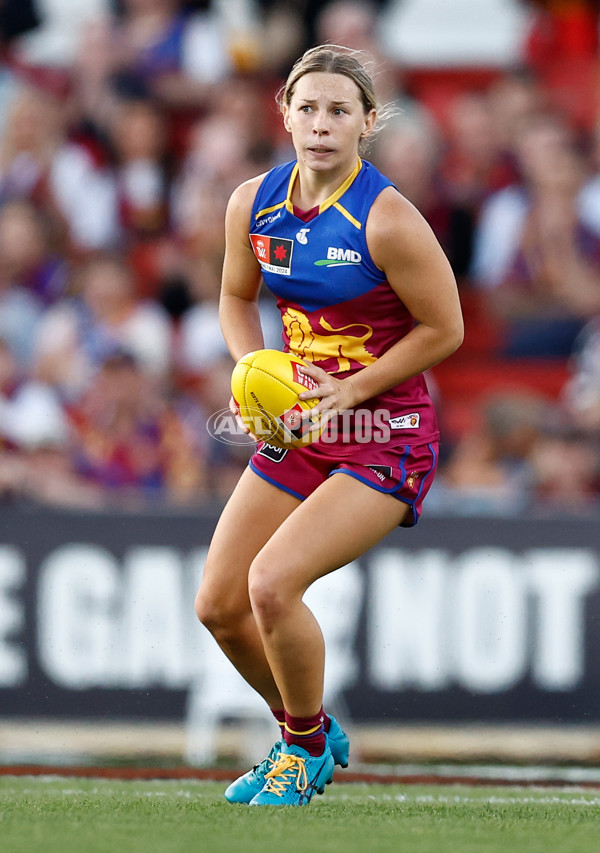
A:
[346,344]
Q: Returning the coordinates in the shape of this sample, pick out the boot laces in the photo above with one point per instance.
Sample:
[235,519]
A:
[288,769]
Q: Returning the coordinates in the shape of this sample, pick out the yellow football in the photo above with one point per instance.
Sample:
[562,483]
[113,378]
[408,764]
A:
[265,385]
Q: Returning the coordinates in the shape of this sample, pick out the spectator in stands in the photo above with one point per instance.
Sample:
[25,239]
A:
[141,170]
[11,465]
[575,437]
[92,95]
[20,315]
[38,163]
[200,345]
[410,152]
[490,467]
[582,392]
[178,54]
[77,334]
[26,260]
[138,136]
[200,342]
[129,441]
[226,146]
[588,200]
[35,458]
[574,484]
[548,282]
[31,138]
[475,164]
[504,214]
[202,401]
[513,98]
[572,435]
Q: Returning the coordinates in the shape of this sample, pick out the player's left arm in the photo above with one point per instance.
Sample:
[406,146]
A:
[403,246]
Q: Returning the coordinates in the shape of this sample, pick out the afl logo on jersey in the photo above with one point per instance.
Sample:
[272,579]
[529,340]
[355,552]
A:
[274,254]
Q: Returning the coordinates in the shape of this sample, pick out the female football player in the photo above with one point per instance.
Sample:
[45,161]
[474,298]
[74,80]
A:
[368,300]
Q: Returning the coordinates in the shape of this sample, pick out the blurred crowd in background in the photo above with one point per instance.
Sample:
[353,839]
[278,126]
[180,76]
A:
[124,127]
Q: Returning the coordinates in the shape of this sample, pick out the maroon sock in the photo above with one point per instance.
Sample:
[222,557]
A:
[307,732]
[280,717]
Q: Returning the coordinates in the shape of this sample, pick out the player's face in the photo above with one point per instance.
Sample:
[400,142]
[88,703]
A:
[326,119]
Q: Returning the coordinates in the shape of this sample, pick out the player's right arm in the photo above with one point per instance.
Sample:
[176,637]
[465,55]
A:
[241,279]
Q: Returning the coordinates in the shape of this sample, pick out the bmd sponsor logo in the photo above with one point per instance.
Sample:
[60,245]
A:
[337,257]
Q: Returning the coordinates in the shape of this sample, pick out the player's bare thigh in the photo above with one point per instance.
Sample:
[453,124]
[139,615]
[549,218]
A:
[342,519]
[254,511]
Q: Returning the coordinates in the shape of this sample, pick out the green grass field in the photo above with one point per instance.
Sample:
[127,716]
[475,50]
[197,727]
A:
[108,816]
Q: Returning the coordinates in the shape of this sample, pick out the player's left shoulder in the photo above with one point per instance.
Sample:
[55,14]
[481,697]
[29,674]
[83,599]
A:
[392,212]
[395,226]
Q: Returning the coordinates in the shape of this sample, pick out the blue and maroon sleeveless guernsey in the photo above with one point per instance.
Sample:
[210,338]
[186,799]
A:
[337,307]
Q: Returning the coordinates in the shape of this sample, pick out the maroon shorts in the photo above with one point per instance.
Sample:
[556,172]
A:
[404,471]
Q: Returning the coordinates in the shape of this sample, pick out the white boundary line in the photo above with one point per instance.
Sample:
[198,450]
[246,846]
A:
[489,772]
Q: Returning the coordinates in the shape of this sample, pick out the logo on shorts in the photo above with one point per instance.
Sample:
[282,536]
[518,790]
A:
[410,480]
[275,454]
[274,254]
[381,471]
[411,421]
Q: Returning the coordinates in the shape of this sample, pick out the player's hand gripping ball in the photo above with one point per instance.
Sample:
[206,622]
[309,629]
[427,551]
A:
[265,385]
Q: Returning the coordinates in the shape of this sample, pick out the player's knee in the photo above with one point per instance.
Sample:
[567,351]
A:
[267,595]
[215,613]
[205,609]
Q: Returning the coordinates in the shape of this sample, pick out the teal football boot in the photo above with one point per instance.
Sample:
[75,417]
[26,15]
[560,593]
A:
[295,777]
[248,786]
[339,743]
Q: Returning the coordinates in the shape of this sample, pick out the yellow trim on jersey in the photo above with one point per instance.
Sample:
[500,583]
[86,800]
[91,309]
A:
[332,201]
[348,215]
[268,210]
[289,206]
